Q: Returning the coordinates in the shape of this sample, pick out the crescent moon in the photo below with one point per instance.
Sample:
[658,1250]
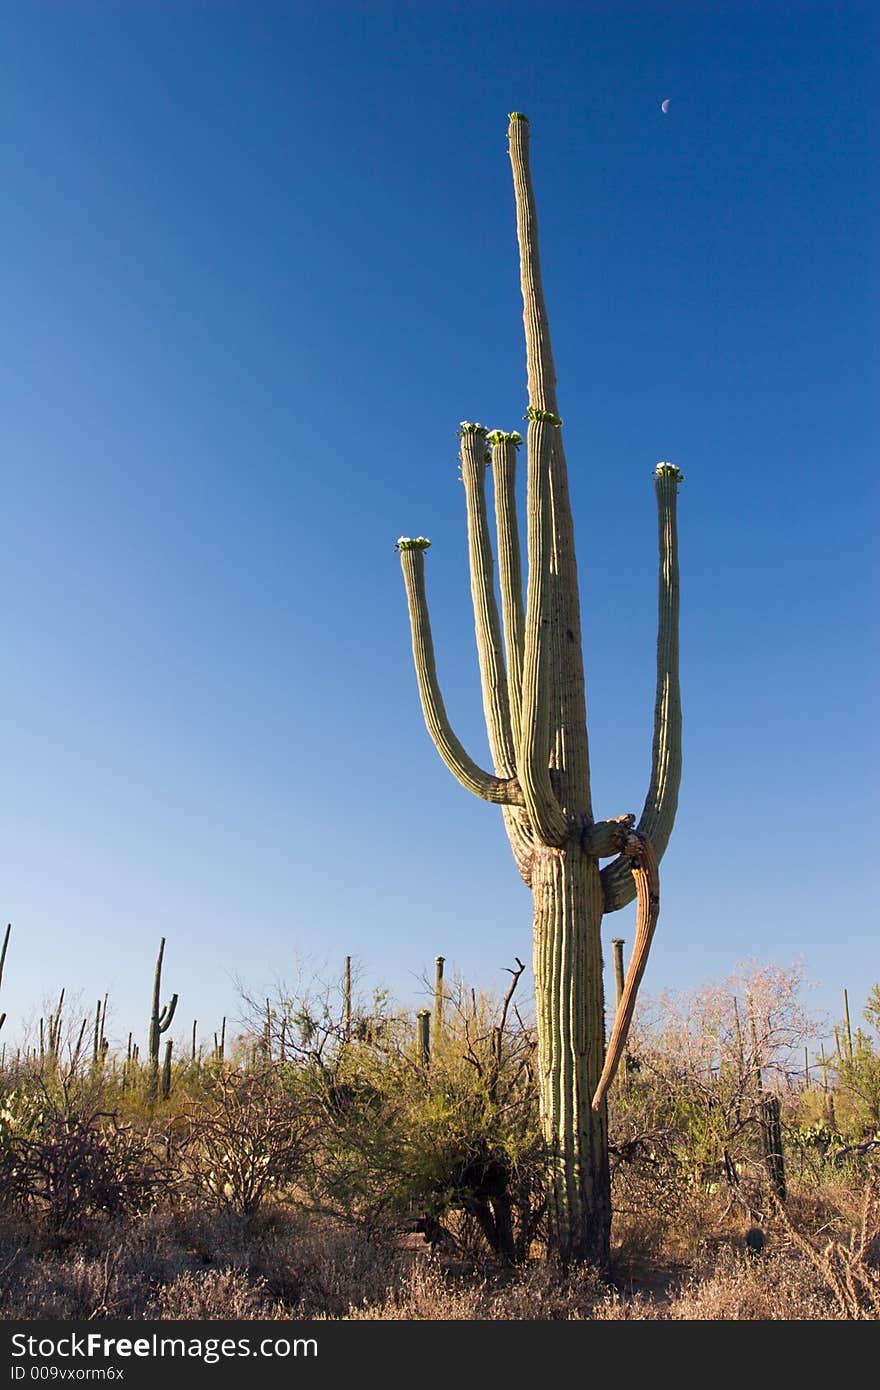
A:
[664,106]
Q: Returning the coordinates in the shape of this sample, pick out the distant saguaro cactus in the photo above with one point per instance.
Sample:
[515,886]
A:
[617,944]
[220,1043]
[160,1022]
[423,1033]
[50,1040]
[100,1045]
[3,962]
[439,996]
[346,1001]
[532,679]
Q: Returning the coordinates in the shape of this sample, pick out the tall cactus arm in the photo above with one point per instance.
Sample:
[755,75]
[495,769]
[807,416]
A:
[643,866]
[661,802]
[153,1043]
[533,763]
[493,677]
[501,688]
[539,354]
[504,447]
[505,791]
[569,750]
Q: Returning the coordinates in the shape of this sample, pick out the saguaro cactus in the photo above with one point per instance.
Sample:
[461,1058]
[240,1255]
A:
[532,679]
[3,962]
[423,1031]
[617,944]
[346,1001]
[100,1044]
[439,995]
[160,1022]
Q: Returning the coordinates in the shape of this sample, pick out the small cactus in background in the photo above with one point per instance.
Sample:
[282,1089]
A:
[3,962]
[847,1026]
[220,1042]
[346,1001]
[770,1116]
[100,1045]
[423,1033]
[160,1022]
[617,947]
[166,1071]
[50,1034]
[439,962]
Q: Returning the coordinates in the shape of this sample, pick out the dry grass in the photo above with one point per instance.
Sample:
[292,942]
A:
[295,1265]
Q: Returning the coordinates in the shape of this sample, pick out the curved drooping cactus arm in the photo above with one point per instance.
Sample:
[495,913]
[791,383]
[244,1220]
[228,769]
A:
[569,745]
[643,867]
[661,802]
[533,763]
[167,1015]
[493,677]
[504,447]
[505,791]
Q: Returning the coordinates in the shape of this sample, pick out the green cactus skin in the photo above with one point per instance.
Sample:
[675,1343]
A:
[423,1033]
[3,962]
[439,994]
[160,1022]
[166,1071]
[617,944]
[346,1001]
[100,1044]
[50,1040]
[771,1144]
[532,683]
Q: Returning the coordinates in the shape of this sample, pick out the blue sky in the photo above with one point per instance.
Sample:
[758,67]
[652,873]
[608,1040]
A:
[259,261]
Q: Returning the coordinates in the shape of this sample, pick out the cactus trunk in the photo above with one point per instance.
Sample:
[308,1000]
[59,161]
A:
[423,1032]
[570,1012]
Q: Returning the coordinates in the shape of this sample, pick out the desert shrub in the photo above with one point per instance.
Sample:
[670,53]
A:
[453,1148]
[247,1137]
[848,1261]
[857,1069]
[699,1104]
[66,1160]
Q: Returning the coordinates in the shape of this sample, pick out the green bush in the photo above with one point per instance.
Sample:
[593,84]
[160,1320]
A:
[453,1148]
